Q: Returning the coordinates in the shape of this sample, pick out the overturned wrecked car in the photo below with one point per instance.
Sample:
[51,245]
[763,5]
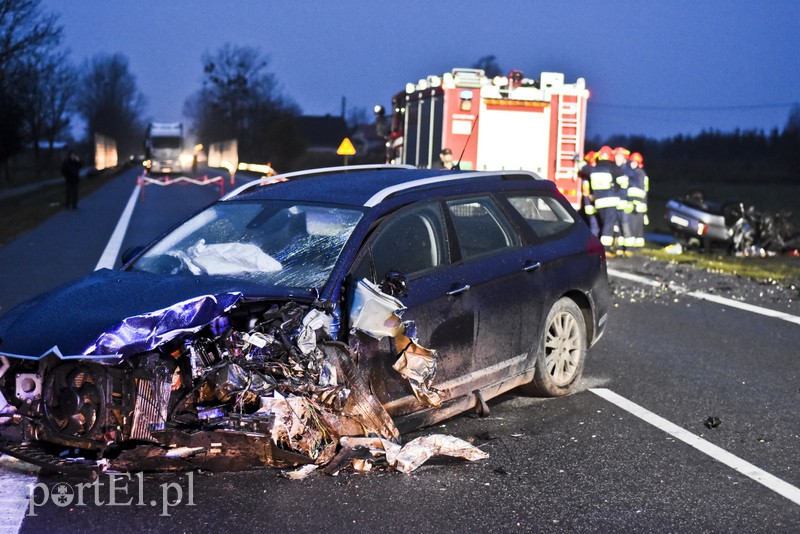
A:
[308,320]
[697,222]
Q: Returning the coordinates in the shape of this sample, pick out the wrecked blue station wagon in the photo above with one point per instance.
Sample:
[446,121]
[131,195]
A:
[305,319]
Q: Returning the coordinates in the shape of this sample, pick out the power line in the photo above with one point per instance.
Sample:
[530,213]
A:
[695,108]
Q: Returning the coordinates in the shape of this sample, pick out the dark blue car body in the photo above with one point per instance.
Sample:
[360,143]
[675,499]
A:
[492,280]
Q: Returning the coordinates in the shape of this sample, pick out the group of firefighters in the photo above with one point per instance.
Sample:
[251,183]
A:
[615,188]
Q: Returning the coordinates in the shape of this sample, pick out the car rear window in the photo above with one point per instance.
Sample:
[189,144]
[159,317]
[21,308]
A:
[480,226]
[410,242]
[545,215]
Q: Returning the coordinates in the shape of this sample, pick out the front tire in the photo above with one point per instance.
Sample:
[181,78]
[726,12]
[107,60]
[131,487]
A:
[561,352]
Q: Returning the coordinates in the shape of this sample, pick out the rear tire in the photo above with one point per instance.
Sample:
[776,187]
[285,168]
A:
[561,352]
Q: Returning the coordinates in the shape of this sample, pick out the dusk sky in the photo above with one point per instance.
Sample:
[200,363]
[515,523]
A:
[653,68]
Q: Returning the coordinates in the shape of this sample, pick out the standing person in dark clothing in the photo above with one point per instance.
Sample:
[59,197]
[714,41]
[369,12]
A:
[445,160]
[587,200]
[638,187]
[604,190]
[70,170]
[625,240]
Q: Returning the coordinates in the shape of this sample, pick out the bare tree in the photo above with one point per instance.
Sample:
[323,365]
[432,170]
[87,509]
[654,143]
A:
[24,32]
[110,102]
[11,139]
[240,99]
[50,87]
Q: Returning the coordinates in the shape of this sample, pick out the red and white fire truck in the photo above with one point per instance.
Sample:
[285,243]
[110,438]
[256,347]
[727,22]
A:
[506,123]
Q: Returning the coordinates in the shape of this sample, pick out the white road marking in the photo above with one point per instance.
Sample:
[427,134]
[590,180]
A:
[706,296]
[15,480]
[634,278]
[109,257]
[721,455]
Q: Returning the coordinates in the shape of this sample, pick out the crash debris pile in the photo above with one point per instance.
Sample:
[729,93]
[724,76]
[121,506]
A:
[762,233]
[746,230]
[676,279]
[227,388]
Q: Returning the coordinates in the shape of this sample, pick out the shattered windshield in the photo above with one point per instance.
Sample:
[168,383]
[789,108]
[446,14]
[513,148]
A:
[279,243]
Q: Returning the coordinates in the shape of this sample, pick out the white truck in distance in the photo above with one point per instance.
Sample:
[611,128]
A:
[163,147]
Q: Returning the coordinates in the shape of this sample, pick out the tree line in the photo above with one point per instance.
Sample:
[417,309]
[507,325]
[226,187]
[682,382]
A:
[741,155]
[42,91]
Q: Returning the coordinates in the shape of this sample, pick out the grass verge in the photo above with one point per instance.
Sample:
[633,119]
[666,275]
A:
[784,270]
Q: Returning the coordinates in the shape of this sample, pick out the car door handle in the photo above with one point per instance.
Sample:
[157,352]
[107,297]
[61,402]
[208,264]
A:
[531,266]
[458,290]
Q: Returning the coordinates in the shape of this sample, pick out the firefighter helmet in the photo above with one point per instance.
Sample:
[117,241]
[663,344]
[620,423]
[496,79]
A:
[590,156]
[637,158]
[605,153]
[622,151]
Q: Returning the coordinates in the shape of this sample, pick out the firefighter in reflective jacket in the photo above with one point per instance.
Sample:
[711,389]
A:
[625,238]
[589,211]
[638,187]
[605,194]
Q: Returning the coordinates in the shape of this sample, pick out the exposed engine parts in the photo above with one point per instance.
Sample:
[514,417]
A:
[263,385]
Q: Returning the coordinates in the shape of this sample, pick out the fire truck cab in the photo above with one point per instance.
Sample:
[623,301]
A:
[507,123]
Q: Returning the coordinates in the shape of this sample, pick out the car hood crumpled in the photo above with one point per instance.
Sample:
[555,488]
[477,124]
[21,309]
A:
[74,316]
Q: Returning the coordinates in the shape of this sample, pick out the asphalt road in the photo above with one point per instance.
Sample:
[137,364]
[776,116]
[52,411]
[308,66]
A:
[575,464]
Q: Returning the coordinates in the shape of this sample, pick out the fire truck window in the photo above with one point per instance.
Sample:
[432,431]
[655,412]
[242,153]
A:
[410,242]
[545,215]
[480,227]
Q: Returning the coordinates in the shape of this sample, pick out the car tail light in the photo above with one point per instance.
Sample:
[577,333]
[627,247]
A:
[701,229]
[595,247]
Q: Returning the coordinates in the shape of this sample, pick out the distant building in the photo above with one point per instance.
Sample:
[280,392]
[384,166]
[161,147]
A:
[323,134]
[368,144]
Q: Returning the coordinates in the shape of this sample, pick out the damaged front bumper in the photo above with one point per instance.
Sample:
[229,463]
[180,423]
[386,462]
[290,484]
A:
[223,385]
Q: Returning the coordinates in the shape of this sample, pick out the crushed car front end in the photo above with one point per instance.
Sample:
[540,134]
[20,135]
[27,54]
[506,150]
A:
[218,382]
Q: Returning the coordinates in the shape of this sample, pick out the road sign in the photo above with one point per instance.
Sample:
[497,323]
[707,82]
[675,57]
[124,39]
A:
[346,148]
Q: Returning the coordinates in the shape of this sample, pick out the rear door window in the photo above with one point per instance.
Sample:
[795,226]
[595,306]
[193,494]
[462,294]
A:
[545,215]
[411,241]
[480,226]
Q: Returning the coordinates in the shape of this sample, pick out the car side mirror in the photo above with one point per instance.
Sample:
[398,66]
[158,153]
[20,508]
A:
[394,283]
[131,253]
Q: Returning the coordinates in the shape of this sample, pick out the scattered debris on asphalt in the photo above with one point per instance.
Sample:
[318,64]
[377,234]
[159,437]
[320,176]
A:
[676,278]
[712,422]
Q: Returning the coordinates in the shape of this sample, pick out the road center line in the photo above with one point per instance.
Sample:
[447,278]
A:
[109,257]
[721,455]
[706,296]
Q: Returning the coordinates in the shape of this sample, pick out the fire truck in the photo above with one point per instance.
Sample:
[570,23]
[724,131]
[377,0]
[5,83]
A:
[506,123]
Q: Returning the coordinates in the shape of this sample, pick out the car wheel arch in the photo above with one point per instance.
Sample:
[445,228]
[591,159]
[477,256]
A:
[540,383]
[585,305]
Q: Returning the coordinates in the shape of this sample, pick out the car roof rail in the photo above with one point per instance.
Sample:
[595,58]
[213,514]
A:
[309,173]
[383,194]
